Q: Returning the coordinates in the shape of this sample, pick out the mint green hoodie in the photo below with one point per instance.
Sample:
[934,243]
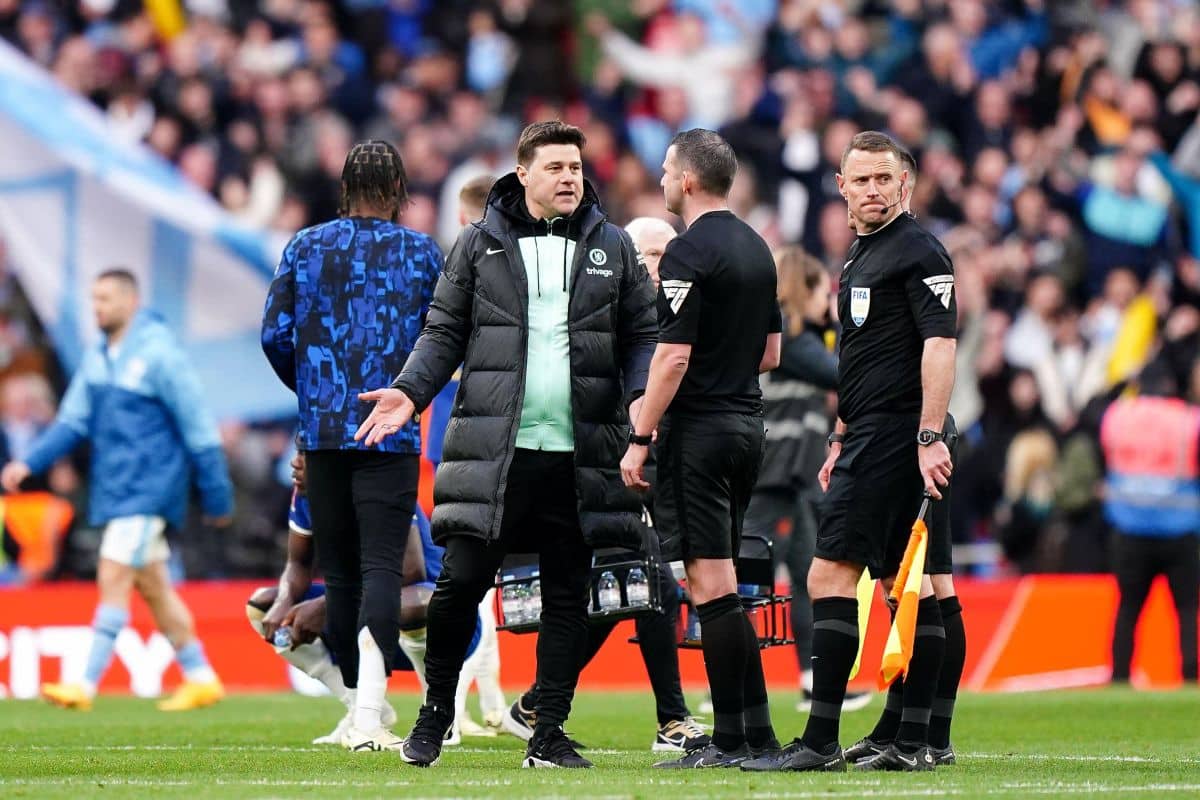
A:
[546,417]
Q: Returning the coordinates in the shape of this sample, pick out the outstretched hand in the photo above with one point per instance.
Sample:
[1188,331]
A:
[13,475]
[393,410]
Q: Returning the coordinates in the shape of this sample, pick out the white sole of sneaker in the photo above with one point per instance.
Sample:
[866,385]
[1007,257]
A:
[370,747]
[421,764]
[536,763]
[858,703]
[514,727]
[665,747]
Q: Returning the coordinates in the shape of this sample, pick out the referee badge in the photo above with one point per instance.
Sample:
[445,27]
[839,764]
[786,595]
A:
[860,304]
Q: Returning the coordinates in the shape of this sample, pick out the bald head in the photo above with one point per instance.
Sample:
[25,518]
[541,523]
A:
[650,235]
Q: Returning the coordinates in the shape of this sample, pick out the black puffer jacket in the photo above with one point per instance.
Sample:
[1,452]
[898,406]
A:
[479,318]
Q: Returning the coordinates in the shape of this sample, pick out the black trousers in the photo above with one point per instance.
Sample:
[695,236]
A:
[540,515]
[1138,560]
[658,639]
[362,505]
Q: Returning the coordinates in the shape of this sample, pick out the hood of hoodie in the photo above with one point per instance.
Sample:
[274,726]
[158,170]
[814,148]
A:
[507,213]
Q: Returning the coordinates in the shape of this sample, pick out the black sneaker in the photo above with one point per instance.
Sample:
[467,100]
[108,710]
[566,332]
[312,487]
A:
[423,747]
[769,748]
[553,750]
[865,748]
[943,756]
[707,756]
[519,721]
[896,758]
[798,757]
[680,736]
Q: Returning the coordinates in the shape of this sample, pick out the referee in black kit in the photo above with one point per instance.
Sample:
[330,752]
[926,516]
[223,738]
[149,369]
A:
[719,326]
[895,374]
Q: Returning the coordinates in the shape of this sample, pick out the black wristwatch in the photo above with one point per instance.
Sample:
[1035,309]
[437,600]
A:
[926,437]
[640,441]
[835,438]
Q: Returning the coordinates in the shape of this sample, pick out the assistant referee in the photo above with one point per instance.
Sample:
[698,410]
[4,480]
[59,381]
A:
[895,373]
[719,327]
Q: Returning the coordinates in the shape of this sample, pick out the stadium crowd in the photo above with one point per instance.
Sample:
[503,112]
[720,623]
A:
[1057,146]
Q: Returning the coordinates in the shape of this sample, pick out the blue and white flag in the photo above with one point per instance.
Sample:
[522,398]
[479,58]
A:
[75,200]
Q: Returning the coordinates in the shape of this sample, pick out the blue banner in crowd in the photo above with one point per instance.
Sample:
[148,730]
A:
[75,200]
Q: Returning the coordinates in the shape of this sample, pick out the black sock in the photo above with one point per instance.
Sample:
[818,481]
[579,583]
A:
[889,719]
[757,714]
[929,648]
[529,700]
[723,639]
[834,646]
[951,674]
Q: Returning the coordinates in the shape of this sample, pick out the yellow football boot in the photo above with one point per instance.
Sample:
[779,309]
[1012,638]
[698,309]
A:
[190,696]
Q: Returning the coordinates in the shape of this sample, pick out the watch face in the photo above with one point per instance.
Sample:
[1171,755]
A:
[925,437]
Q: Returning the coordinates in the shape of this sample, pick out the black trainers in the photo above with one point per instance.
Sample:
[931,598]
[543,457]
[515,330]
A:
[680,736]
[553,750]
[865,748]
[896,758]
[707,756]
[773,746]
[519,721]
[423,747]
[943,756]
[798,757]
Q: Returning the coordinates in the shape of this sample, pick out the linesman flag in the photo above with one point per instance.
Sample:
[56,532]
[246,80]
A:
[905,593]
[866,593]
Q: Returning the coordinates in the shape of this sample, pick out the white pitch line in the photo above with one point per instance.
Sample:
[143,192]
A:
[1070,757]
[1024,788]
[484,750]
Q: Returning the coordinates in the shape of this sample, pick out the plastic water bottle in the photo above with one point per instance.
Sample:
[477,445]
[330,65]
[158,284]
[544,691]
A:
[749,590]
[283,637]
[637,590]
[608,592]
[692,632]
[512,604]
[533,601]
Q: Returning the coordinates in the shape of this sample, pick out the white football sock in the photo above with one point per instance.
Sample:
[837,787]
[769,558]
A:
[413,645]
[314,660]
[372,684]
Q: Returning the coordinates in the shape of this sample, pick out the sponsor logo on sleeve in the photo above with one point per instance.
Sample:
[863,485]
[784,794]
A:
[942,287]
[676,292]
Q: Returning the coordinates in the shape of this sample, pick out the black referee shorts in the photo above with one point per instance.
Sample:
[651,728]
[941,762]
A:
[707,467]
[874,495]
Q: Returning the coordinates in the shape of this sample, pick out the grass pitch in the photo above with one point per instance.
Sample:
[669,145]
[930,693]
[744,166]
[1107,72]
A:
[1115,743]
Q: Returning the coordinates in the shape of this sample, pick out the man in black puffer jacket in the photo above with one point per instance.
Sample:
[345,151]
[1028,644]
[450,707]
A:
[551,313]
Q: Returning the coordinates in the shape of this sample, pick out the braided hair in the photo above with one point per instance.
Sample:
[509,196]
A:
[374,176]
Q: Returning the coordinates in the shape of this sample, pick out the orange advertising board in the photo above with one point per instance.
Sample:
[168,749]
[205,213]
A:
[1017,639]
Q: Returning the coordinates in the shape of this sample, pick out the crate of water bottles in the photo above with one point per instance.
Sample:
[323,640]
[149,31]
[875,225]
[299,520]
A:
[622,586]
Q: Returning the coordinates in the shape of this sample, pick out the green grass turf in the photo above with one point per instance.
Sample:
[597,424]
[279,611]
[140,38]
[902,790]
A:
[1115,743]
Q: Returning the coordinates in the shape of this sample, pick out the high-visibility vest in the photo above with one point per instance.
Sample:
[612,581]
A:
[1151,446]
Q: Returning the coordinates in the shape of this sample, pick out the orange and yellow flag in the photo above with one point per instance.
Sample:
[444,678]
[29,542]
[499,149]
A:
[906,591]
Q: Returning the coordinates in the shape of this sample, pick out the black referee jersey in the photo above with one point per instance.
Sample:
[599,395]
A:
[718,295]
[896,291]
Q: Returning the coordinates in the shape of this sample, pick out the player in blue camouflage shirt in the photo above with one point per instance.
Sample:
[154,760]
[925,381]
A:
[345,308]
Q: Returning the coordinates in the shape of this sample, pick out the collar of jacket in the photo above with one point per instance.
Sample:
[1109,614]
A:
[141,324]
[507,215]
